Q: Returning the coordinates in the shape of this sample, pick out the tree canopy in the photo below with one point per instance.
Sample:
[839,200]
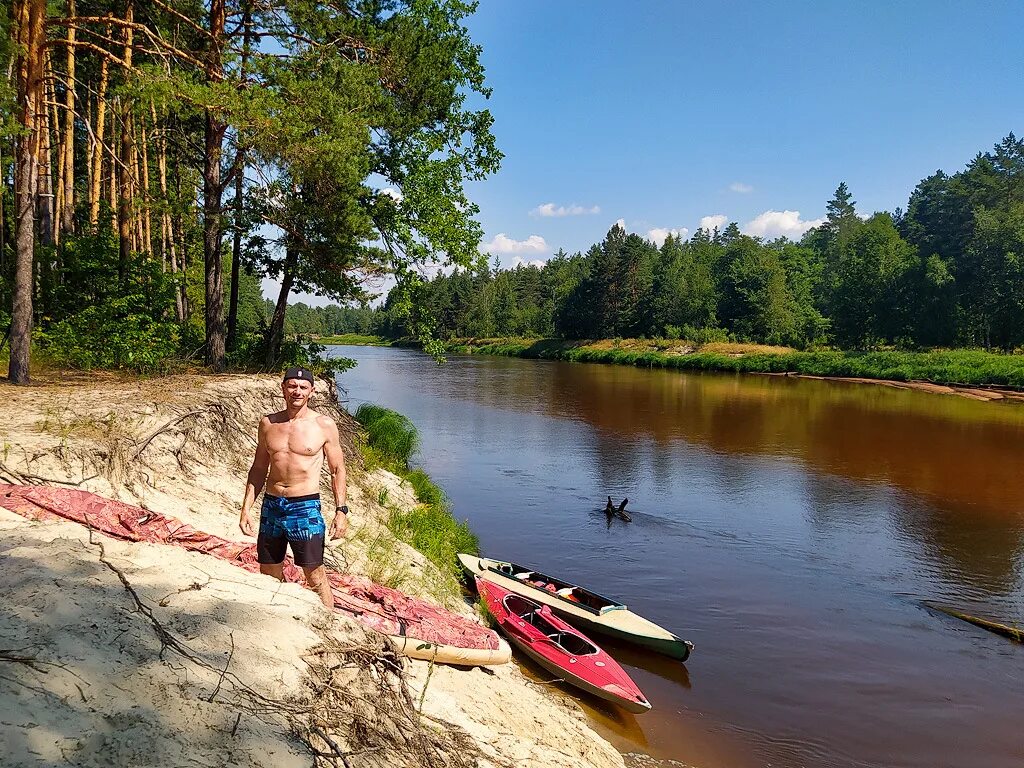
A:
[345,128]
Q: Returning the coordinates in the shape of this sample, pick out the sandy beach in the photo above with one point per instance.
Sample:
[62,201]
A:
[119,653]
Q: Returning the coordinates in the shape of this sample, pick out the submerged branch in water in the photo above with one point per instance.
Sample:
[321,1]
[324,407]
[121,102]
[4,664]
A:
[1014,633]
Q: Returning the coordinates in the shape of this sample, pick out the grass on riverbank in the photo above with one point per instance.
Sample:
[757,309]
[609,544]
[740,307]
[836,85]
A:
[355,340]
[964,367]
[430,527]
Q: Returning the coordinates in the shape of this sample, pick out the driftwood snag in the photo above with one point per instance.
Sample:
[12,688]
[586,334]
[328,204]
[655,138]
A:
[612,511]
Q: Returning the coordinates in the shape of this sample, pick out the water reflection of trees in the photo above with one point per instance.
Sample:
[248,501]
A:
[981,558]
[957,457]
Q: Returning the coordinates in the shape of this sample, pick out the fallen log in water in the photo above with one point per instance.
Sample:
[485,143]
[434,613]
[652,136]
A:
[1014,633]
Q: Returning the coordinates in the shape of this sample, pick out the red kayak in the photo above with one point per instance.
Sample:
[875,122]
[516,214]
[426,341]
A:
[561,649]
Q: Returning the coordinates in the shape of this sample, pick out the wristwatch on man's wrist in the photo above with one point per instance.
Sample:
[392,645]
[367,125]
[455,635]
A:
[343,509]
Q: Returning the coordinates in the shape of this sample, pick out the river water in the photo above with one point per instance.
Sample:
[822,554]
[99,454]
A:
[792,529]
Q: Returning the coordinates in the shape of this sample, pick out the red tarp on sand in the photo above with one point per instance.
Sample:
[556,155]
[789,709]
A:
[381,608]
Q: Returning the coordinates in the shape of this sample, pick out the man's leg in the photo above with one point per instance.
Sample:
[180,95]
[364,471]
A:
[316,579]
[270,551]
[273,569]
[308,548]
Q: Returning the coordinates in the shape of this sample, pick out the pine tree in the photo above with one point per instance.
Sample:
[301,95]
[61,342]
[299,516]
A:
[841,209]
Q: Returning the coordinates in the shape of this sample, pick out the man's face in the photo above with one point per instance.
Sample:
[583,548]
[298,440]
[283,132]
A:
[297,392]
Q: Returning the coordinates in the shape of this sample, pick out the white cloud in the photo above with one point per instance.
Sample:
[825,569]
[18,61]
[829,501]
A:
[431,269]
[739,186]
[620,223]
[713,222]
[776,223]
[557,211]
[519,261]
[393,193]
[659,234]
[502,243]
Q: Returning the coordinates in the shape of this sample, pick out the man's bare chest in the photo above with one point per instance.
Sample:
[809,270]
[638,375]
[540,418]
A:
[293,439]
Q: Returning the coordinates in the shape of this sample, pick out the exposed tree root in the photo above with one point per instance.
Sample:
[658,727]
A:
[24,478]
[145,443]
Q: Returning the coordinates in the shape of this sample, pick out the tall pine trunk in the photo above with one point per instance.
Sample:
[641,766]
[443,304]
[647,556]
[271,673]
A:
[30,17]
[67,211]
[182,250]
[58,136]
[124,192]
[213,191]
[100,131]
[127,151]
[44,190]
[236,244]
[168,252]
[275,333]
[236,260]
[146,213]
[3,233]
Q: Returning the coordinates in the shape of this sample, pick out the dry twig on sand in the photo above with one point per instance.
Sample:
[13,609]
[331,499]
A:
[16,656]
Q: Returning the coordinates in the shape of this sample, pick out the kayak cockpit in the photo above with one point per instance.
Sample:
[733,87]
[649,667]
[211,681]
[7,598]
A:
[533,614]
[573,644]
[572,593]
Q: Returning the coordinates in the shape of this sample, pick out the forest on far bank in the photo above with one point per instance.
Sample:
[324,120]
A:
[948,271]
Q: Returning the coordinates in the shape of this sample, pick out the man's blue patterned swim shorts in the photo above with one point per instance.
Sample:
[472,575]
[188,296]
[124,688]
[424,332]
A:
[291,521]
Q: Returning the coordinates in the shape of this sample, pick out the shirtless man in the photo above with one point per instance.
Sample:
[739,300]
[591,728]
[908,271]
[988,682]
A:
[291,446]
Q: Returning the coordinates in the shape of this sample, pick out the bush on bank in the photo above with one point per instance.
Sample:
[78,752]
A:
[104,338]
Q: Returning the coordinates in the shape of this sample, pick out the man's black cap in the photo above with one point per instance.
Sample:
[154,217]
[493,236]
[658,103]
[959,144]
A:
[299,373]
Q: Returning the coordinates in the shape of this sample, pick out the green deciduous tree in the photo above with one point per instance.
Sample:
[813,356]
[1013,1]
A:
[756,302]
[684,289]
[871,289]
[997,253]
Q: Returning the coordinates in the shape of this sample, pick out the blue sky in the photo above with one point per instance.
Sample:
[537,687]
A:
[667,114]
[664,113]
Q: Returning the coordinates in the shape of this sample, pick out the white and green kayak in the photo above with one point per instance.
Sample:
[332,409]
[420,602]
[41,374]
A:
[578,605]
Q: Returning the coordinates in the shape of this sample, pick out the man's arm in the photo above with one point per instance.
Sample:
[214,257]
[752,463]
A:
[336,464]
[256,478]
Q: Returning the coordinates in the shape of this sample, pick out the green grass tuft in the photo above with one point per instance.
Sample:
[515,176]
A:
[433,531]
[431,528]
[392,438]
[485,614]
[426,491]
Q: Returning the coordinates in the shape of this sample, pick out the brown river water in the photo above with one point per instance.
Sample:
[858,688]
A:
[791,529]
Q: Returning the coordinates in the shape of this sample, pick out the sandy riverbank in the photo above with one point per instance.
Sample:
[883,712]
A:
[114,653]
